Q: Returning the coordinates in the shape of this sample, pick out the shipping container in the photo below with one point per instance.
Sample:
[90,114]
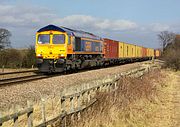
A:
[133,50]
[126,50]
[111,49]
[150,52]
[144,52]
[138,51]
[157,53]
[121,49]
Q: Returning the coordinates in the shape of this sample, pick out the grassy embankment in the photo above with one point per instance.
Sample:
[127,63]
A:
[153,101]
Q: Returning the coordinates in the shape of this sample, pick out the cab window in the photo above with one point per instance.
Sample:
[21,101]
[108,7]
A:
[58,39]
[69,40]
[43,39]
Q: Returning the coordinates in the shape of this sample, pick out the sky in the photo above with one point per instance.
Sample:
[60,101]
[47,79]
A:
[133,21]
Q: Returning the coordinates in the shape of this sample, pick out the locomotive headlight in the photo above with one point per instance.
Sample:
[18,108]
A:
[39,54]
[61,54]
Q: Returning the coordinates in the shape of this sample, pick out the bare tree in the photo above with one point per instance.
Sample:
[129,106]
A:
[4,38]
[166,38]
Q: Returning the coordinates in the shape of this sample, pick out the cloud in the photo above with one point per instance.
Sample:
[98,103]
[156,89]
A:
[18,16]
[158,27]
[93,23]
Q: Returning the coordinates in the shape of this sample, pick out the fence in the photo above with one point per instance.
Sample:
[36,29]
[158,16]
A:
[74,106]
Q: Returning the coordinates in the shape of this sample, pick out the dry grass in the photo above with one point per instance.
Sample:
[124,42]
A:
[147,102]
[52,108]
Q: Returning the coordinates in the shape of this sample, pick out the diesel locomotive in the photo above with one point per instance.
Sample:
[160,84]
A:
[59,49]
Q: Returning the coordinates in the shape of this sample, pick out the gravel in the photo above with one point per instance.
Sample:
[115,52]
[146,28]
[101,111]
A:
[19,94]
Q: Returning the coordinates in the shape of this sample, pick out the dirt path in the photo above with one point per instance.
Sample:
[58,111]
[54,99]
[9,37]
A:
[168,110]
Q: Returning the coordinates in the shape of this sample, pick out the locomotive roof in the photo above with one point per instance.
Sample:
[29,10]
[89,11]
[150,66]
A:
[77,33]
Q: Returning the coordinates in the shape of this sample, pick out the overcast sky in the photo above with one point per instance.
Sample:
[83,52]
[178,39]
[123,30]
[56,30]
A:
[133,21]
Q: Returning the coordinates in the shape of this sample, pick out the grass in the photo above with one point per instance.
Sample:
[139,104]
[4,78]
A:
[147,102]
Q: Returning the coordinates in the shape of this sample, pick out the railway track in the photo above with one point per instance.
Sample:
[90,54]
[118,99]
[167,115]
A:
[18,72]
[16,80]
[8,80]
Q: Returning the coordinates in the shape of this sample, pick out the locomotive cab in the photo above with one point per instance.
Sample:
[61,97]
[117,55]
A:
[51,51]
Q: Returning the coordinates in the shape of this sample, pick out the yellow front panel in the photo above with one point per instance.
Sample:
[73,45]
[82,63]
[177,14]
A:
[51,51]
[121,49]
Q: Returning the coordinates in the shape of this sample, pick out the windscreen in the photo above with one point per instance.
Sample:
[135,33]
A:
[43,39]
[58,39]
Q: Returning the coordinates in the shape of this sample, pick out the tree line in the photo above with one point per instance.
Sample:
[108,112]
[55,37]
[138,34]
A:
[170,43]
[14,58]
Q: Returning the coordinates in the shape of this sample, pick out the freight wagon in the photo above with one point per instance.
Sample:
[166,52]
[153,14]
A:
[157,53]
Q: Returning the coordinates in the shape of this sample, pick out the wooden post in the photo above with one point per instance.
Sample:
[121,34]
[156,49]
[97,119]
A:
[72,119]
[94,92]
[43,111]
[78,101]
[72,104]
[29,115]
[153,59]
[16,117]
[103,88]
[98,89]
[79,115]
[110,87]
[62,104]
[82,98]
[0,119]
[88,96]
[116,85]
[107,87]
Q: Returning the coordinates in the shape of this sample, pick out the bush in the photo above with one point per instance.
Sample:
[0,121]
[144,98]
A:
[171,55]
[29,59]
[13,58]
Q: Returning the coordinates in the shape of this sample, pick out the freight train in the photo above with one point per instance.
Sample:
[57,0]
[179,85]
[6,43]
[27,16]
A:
[61,49]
